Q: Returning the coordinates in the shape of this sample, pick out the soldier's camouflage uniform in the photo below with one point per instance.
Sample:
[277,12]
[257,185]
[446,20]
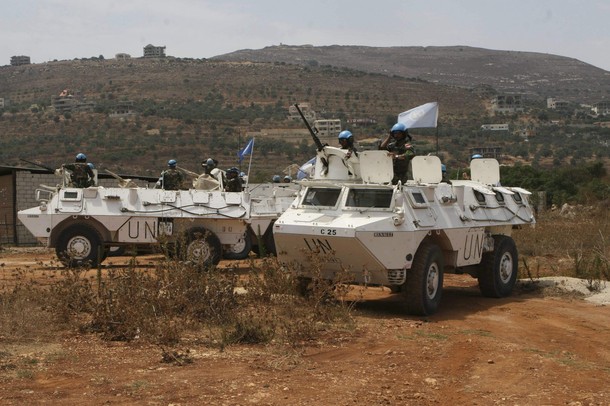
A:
[171,179]
[81,175]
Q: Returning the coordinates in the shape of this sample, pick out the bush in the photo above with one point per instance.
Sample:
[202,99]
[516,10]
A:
[162,303]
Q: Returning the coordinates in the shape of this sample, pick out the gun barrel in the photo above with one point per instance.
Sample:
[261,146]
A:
[311,131]
[37,164]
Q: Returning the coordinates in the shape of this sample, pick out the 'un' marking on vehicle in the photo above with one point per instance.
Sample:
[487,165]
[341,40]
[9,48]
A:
[317,245]
[472,246]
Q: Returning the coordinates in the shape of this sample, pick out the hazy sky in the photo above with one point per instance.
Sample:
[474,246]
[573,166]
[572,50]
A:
[66,29]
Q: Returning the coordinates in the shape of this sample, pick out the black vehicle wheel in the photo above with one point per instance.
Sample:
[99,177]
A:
[241,249]
[395,288]
[498,270]
[423,288]
[79,245]
[202,247]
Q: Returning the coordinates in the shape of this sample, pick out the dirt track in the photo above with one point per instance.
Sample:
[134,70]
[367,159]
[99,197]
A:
[523,350]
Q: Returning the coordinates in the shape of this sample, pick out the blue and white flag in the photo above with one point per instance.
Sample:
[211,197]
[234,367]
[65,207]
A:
[424,116]
[306,170]
[246,151]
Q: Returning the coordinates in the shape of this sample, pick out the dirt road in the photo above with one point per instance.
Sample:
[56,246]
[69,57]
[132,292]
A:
[524,350]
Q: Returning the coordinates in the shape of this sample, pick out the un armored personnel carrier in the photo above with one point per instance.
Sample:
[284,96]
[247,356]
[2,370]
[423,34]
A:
[350,220]
[204,224]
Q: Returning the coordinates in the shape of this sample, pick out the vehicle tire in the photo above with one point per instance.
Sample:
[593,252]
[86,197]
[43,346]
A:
[497,273]
[395,288]
[239,250]
[424,285]
[202,247]
[80,244]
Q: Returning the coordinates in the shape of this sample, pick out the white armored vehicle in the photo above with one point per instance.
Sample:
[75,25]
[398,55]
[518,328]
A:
[350,220]
[203,225]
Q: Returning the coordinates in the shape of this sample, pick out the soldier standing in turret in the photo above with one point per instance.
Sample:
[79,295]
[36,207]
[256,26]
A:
[171,178]
[81,174]
[397,145]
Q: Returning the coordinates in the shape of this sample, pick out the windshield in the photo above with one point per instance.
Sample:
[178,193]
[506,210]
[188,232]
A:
[369,198]
[321,196]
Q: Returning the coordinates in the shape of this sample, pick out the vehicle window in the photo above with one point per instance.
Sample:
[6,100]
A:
[479,196]
[369,198]
[499,197]
[321,196]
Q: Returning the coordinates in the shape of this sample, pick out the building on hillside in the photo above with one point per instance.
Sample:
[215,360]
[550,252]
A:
[555,104]
[494,127]
[18,192]
[2,104]
[151,51]
[602,108]
[327,128]
[507,103]
[20,60]
[487,152]
[123,109]
[309,114]
[361,122]
[122,56]
[68,102]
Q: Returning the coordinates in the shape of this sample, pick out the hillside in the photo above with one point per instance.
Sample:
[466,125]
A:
[533,74]
[191,109]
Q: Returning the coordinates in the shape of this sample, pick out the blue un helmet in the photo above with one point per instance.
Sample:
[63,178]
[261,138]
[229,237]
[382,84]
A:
[172,163]
[90,165]
[400,128]
[476,156]
[345,135]
[276,178]
[443,168]
[80,157]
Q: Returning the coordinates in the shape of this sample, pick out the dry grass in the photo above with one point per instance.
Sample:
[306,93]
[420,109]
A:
[567,245]
[164,304]
[171,300]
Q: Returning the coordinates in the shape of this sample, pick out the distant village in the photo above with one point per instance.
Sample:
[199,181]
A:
[70,101]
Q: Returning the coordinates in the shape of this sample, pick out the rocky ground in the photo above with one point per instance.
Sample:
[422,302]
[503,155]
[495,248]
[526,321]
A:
[542,346]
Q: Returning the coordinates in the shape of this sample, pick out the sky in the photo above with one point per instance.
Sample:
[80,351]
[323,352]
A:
[47,30]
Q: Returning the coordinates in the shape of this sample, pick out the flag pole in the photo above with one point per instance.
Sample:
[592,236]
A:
[239,146]
[250,162]
[437,139]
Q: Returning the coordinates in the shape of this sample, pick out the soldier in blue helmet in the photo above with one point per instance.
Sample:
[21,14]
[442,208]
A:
[81,174]
[171,178]
[234,183]
[346,140]
[397,143]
